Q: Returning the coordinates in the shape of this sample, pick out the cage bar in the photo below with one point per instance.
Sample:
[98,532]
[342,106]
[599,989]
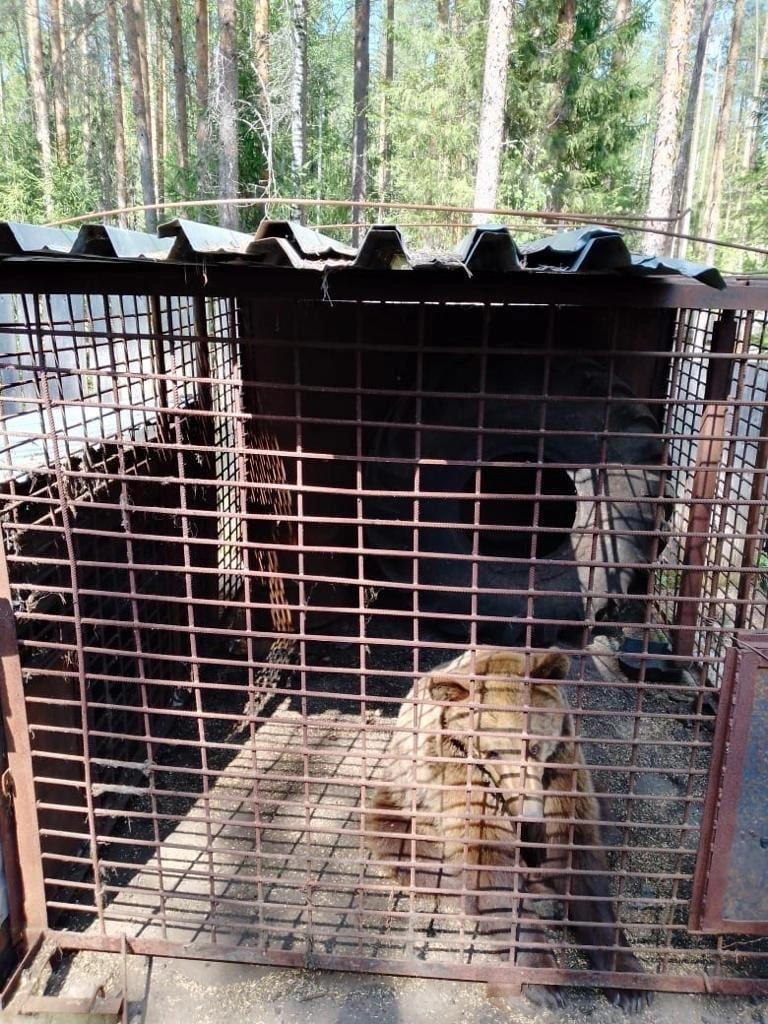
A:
[248,519]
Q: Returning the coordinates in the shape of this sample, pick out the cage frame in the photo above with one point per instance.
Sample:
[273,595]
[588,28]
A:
[220,280]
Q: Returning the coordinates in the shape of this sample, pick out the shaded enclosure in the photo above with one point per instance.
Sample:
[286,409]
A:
[245,507]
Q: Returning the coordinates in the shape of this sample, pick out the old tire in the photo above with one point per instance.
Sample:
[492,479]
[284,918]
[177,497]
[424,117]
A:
[590,447]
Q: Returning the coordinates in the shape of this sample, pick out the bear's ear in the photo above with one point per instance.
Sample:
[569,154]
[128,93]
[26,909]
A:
[448,688]
[551,665]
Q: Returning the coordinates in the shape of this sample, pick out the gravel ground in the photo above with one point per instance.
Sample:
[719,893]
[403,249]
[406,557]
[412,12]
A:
[667,775]
[166,991]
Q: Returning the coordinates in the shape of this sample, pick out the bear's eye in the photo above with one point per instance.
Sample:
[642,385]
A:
[492,755]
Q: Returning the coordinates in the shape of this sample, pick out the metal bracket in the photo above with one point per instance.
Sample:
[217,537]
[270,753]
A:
[97,1004]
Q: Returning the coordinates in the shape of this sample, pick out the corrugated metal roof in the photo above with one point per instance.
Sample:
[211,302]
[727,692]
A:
[20,238]
[487,249]
[101,240]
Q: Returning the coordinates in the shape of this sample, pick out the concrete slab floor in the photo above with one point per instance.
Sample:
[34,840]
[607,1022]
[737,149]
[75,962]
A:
[166,991]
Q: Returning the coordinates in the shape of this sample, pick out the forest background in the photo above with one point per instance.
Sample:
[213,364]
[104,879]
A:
[596,108]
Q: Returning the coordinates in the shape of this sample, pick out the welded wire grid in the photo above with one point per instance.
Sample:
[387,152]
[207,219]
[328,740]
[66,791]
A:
[233,547]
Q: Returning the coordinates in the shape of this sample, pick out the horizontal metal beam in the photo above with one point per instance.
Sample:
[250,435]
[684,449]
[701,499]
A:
[498,978]
[101,275]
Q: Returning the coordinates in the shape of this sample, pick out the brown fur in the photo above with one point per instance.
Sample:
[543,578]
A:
[480,779]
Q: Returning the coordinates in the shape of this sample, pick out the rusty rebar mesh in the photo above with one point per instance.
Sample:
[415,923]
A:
[237,540]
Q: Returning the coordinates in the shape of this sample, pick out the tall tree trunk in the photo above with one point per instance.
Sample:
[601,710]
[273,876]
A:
[491,133]
[141,40]
[3,110]
[85,98]
[443,13]
[705,150]
[202,93]
[121,195]
[360,109]
[133,29]
[385,137]
[159,133]
[621,13]
[105,140]
[560,107]
[59,80]
[758,91]
[566,27]
[687,200]
[261,48]
[683,169]
[298,98]
[665,145]
[226,65]
[714,192]
[18,15]
[180,85]
[261,99]
[40,102]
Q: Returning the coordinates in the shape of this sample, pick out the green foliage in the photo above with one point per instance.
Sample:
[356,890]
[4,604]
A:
[579,115]
[572,113]
[762,577]
[20,179]
[328,169]
[252,158]
[434,106]
[73,187]
[754,213]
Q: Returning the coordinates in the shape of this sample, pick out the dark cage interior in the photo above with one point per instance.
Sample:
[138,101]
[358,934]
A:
[287,571]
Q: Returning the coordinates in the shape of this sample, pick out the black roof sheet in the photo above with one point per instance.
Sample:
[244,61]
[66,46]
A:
[489,249]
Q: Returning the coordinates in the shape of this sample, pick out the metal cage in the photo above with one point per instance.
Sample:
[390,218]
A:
[246,510]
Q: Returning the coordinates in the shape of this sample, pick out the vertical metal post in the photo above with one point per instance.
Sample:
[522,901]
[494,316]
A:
[204,556]
[28,910]
[708,458]
[747,579]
